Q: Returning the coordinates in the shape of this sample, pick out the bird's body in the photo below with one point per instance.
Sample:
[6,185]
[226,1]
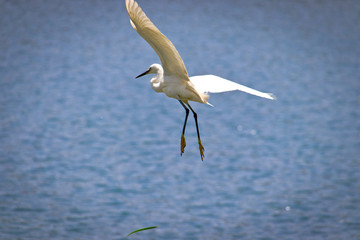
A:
[172,78]
[174,86]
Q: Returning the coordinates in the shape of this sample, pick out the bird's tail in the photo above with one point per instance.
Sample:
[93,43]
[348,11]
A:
[205,97]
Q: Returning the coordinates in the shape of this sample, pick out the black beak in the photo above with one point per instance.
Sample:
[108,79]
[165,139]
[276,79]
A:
[144,73]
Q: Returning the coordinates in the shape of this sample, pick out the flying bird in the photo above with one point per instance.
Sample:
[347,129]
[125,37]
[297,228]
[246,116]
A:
[171,76]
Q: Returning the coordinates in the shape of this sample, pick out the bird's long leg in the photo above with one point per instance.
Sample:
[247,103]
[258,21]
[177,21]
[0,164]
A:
[201,148]
[183,142]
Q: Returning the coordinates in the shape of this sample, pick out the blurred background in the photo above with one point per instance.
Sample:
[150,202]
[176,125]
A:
[89,152]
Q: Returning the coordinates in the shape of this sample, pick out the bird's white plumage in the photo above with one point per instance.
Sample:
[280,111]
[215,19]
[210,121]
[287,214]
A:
[169,56]
[174,74]
[215,84]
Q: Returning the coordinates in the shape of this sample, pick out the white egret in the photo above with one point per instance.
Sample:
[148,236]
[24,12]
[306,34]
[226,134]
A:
[172,78]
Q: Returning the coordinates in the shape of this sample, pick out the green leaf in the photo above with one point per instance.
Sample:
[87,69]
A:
[142,229]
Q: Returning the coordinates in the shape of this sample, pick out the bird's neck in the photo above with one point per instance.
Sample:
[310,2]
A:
[157,82]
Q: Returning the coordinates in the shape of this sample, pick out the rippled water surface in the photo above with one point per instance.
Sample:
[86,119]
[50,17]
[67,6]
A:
[89,152]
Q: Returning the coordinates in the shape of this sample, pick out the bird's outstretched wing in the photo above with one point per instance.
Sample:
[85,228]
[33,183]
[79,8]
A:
[169,56]
[215,84]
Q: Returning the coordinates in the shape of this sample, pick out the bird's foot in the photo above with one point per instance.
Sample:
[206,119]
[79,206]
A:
[201,148]
[183,144]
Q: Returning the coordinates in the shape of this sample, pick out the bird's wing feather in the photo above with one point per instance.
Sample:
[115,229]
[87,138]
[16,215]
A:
[215,84]
[169,56]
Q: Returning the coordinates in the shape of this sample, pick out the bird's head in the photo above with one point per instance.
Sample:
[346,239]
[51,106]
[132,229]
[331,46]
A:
[153,69]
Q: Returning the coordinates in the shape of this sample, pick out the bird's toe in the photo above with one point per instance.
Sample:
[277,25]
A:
[183,144]
[201,148]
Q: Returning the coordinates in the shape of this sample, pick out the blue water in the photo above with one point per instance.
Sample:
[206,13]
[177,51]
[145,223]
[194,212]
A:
[89,152]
